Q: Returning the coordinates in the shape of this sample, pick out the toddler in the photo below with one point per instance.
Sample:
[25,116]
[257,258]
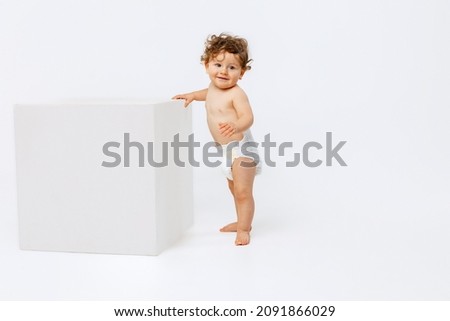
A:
[229,117]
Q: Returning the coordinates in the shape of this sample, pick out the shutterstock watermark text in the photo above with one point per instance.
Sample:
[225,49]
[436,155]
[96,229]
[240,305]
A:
[182,152]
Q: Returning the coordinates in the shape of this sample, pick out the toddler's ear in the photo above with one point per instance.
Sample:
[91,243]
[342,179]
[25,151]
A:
[242,73]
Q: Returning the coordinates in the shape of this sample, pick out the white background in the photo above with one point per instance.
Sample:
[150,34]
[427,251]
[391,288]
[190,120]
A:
[375,73]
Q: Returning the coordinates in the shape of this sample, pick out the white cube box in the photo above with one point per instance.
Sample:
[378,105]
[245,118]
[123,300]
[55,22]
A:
[81,183]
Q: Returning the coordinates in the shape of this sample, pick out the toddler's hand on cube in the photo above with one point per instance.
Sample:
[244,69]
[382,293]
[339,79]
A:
[188,98]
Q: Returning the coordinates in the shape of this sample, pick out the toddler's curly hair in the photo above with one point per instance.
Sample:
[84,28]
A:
[214,45]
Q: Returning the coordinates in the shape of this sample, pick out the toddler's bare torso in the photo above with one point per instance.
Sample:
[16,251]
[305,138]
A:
[219,109]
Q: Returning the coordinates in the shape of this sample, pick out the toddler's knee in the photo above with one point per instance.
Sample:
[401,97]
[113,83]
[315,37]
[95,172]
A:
[242,194]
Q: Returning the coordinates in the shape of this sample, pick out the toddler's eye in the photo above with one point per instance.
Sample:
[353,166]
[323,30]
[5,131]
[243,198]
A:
[217,64]
[232,67]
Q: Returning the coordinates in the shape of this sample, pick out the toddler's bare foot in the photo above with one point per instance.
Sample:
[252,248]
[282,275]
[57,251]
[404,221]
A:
[232,227]
[242,238]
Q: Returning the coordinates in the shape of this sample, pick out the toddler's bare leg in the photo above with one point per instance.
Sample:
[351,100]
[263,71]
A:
[243,178]
[232,227]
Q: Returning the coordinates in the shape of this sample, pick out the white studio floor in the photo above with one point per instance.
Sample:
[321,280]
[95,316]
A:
[300,250]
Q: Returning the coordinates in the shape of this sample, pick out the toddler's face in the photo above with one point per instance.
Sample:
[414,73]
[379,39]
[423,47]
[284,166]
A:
[224,70]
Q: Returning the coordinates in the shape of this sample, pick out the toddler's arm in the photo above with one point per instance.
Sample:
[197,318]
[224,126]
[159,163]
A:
[199,95]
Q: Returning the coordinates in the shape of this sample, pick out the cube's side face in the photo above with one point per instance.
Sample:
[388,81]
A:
[75,191]
[174,182]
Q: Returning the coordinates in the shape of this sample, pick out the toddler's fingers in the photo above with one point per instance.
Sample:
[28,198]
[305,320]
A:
[229,132]
[222,127]
[187,101]
[225,125]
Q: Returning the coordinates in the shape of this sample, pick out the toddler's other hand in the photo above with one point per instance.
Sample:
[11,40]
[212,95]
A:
[188,98]
[227,129]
